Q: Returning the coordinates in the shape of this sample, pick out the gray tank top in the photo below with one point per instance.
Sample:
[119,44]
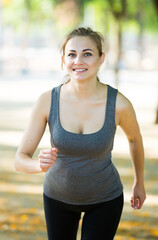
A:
[83,172]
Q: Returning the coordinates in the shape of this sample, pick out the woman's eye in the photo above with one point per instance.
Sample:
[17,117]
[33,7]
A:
[71,55]
[87,54]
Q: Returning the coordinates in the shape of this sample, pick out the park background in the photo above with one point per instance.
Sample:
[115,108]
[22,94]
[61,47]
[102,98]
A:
[31,32]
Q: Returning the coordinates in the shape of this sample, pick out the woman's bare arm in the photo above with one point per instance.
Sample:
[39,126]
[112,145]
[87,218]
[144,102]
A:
[126,119]
[32,136]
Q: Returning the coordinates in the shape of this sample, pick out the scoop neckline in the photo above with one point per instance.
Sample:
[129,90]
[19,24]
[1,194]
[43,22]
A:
[82,134]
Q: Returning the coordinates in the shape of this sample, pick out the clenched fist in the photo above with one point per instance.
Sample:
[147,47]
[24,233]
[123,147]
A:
[47,158]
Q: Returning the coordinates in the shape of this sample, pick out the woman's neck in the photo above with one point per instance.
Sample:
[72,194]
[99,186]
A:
[83,90]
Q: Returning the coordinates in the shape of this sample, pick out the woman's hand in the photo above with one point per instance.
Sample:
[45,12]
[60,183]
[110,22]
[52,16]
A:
[138,197]
[47,158]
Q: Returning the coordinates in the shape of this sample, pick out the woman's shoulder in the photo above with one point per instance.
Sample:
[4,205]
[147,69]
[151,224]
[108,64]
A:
[122,102]
[45,97]
[124,109]
[43,103]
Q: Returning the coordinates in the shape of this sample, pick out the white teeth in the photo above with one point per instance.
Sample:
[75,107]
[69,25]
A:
[79,70]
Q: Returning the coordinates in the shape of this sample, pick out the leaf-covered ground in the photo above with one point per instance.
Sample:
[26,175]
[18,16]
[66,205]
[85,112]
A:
[21,200]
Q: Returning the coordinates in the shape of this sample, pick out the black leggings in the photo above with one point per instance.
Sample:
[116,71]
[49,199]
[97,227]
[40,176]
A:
[100,221]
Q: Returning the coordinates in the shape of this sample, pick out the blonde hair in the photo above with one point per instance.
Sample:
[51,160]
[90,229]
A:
[95,36]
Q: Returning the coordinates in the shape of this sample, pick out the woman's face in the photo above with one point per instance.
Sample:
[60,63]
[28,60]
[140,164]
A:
[82,59]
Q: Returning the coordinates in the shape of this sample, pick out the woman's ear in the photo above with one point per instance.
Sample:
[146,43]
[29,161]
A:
[102,58]
[62,62]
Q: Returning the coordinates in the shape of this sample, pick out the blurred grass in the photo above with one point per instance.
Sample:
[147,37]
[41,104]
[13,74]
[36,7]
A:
[21,200]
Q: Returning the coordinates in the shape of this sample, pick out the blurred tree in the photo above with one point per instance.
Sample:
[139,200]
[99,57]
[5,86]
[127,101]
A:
[67,15]
[31,15]
[139,13]
[118,10]
[35,11]
[1,23]
[156,119]
[156,7]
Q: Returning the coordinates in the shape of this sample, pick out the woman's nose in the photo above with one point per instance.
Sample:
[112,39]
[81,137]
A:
[78,59]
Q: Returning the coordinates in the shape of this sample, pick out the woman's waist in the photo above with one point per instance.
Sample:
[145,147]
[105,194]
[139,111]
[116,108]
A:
[82,189]
[77,181]
[70,169]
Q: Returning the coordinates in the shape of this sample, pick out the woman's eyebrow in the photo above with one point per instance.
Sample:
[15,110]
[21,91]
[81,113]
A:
[88,49]
[84,50]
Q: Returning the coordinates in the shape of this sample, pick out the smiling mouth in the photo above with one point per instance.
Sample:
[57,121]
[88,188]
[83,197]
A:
[80,69]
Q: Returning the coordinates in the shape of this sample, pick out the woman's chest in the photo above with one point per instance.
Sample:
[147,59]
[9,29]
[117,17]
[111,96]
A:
[82,117]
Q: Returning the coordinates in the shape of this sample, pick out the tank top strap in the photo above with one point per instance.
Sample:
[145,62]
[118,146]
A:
[111,105]
[53,114]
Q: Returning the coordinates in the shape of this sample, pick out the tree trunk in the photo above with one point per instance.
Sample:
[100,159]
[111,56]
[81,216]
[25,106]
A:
[25,38]
[118,50]
[1,35]
[156,8]
[156,120]
[140,34]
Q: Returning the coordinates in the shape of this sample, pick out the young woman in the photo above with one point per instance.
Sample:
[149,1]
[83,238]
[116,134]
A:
[82,115]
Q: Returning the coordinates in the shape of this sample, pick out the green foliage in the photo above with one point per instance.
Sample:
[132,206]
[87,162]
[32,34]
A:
[132,14]
[102,15]
[150,18]
[142,12]
[116,5]
[34,11]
